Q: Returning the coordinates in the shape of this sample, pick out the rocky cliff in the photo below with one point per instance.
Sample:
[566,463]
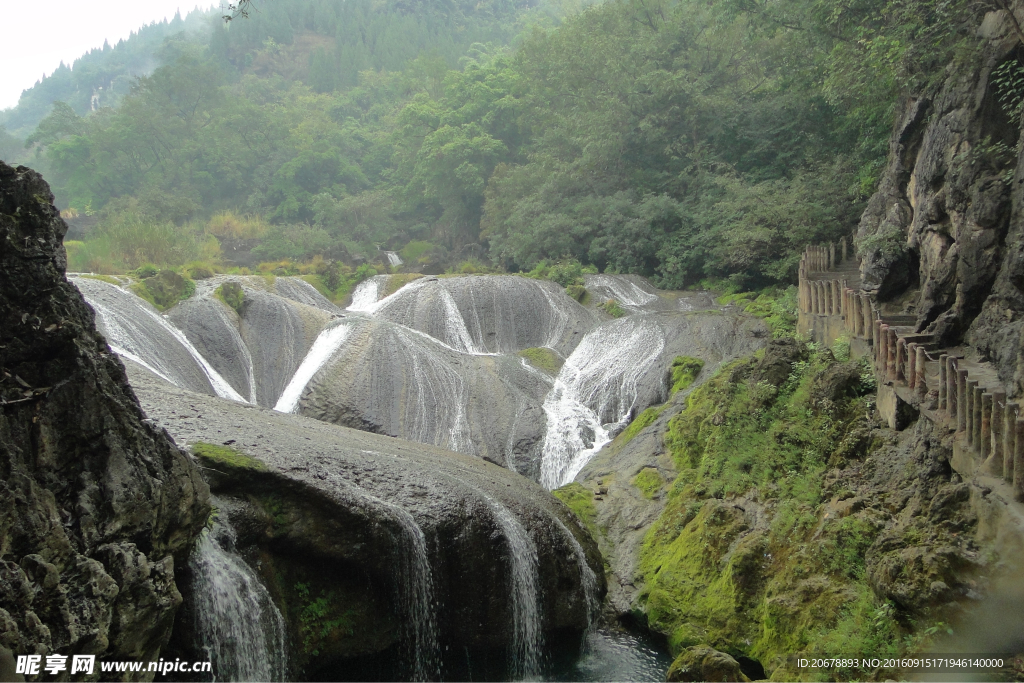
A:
[97,506]
[943,237]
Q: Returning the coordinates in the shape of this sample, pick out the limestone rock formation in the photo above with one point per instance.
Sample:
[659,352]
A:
[329,516]
[97,506]
[623,512]
[943,237]
[702,663]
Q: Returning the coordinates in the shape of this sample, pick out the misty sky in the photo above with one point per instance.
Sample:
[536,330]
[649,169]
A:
[37,36]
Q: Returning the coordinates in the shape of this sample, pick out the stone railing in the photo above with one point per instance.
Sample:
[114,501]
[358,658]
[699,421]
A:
[961,396]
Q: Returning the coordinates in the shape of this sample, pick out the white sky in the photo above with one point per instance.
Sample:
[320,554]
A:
[37,36]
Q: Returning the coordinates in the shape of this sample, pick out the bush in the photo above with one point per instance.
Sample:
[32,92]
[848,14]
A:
[232,294]
[612,308]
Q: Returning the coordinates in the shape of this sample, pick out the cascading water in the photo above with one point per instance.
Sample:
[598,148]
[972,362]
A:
[623,290]
[236,621]
[138,333]
[393,259]
[367,293]
[527,637]
[588,578]
[595,393]
[415,594]
[325,346]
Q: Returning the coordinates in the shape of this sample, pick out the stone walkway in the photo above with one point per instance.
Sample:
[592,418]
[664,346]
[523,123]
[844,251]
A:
[915,376]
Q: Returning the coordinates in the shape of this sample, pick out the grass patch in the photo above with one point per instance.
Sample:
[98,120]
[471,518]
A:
[577,292]
[580,500]
[776,307]
[543,358]
[225,456]
[612,308]
[641,421]
[685,371]
[399,280]
[649,481]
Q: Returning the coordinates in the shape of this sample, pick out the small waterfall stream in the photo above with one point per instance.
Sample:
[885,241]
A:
[415,594]
[326,345]
[237,623]
[139,333]
[595,393]
[527,637]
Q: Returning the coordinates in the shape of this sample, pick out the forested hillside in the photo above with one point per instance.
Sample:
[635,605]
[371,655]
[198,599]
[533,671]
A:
[680,140]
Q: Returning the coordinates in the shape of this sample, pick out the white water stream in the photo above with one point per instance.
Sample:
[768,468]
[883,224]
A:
[125,318]
[326,345]
[524,580]
[595,393]
[236,621]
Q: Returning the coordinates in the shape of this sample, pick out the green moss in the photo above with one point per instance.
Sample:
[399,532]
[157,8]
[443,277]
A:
[543,358]
[165,289]
[578,292]
[104,278]
[684,371]
[644,419]
[798,585]
[649,481]
[225,457]
[580,500]
[232,294]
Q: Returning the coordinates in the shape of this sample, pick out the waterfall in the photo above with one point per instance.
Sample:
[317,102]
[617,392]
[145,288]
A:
[527,638]
[415,594]
[236,621]
[138,333]
[243,350]
[367,293]
[456,334]
[595,393]
[588,579]
[440,392]
[623,290]
[393,259]
[326,345]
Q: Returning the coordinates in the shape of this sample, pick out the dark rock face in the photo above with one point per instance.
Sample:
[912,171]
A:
[96,505]
[945,230]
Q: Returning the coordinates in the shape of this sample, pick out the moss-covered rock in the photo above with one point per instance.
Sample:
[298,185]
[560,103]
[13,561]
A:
[580,500]
[225,456]
[164,289]
[649,481]
[684,372]
[702,663]
[544,359]
[232,294]
[765,549]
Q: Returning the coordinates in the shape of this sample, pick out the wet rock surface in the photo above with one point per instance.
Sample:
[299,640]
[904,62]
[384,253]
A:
[315,504]
[624,513]
[98,506]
